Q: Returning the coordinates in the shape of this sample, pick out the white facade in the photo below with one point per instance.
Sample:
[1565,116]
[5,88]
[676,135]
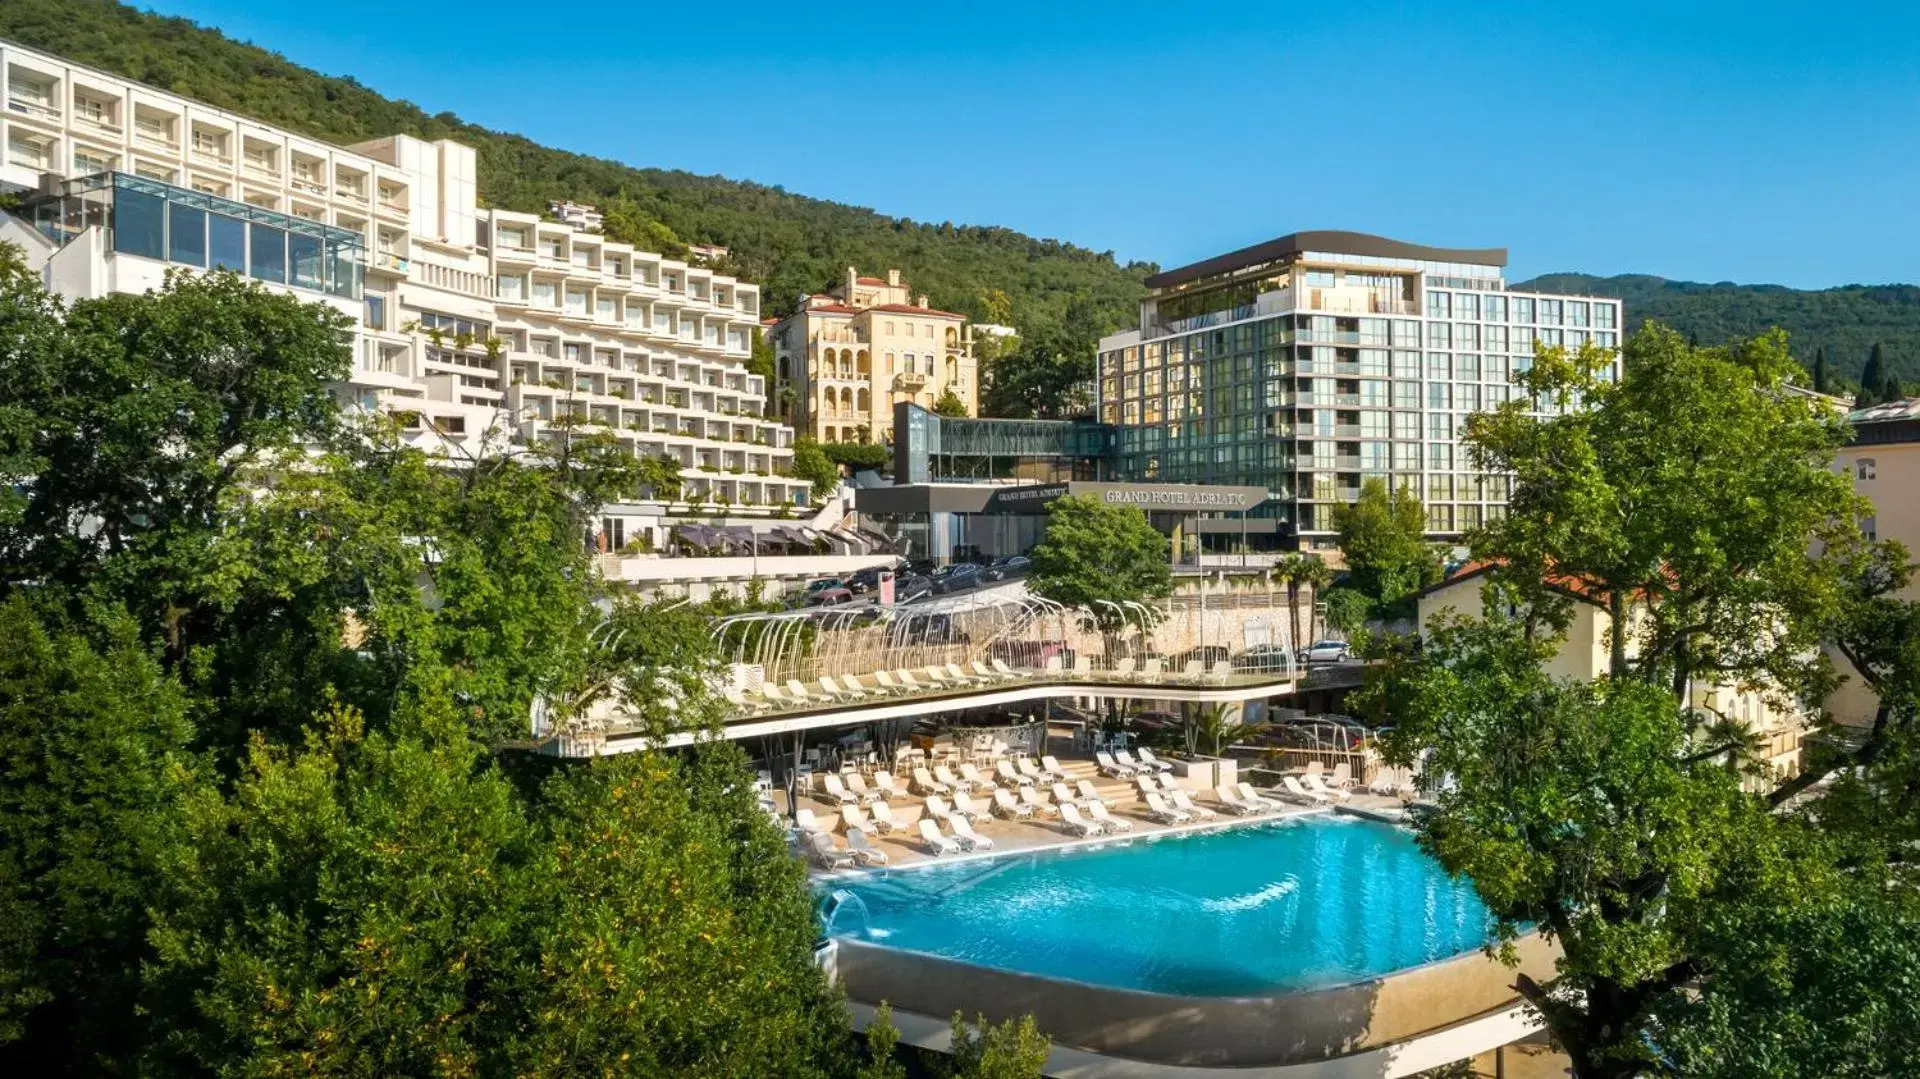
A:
[470,321]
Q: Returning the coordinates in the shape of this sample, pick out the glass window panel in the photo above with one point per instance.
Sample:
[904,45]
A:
[186,235]
[344,267]
[267,253]
[139,223]
[227,243]
[303,255]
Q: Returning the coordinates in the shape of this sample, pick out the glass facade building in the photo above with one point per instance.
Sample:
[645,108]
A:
[154,220]
[1315,362]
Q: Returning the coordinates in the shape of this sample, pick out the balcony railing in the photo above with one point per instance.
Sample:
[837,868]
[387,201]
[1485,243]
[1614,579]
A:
[29,107]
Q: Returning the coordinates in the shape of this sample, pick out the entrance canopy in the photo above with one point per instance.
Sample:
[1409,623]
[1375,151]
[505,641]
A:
[916,498]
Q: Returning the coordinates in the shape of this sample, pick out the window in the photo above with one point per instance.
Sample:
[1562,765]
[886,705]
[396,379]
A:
[1495,309]
[513,288]
[1864,469]
[375,316]
[1439,365]
[1466,305]
[545,294]
[1440,335]
[576,301]
[1523,309]
[1870,527]
[267,253]
[87,161]
[1439,305]
[227,243]
[139,223]
[303,260]
[1549,312]
[1603,316]
[1439,395]
[186,234]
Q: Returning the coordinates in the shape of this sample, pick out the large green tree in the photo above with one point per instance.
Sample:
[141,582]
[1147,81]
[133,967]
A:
[1094,554]
[1687,883]
[1695,489]
[1383,535]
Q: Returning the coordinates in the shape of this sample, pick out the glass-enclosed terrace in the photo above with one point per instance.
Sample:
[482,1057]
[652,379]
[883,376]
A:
[150,219]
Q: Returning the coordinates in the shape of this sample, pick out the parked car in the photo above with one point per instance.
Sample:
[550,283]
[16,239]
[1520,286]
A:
[1008,567]
[911,587]
[957,577]
[916,567]
[1326,652]
[824,583]
[864,581]
[828,597]
[1263,657]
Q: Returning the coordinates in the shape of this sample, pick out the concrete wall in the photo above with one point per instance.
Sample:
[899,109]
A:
[1286,1028]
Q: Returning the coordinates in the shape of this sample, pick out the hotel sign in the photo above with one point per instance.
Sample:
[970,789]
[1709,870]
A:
[1152,497]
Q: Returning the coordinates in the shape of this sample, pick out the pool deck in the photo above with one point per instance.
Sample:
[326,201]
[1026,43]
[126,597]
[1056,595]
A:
[905,850]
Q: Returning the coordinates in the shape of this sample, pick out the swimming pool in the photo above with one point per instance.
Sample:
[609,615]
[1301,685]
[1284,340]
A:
[1301,904]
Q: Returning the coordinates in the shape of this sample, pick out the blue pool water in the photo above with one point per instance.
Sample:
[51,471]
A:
[1297,905]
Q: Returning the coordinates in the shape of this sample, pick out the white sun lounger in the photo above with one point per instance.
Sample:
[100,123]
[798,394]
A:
[937,676]
[864,852]
[798,692]
[885,785]
[1184,802]
[851,819]
[1159,810]
[975,779]
[821,848]
[1063,796]
[1110,767]
[945,775]
[965,806]
[857,784]
[1031,798]
[1030,772]
[1087,793]
[884,821]
[804,820]
[1010,672]
[1147,758]
[1004,804]
[1003,770]
[972,840]
[1052,768]
[1255,798]
[982,672]
[1098,811]
[838,790]
[887,682]
[908,681]
[1071,820]
[1301,794]
[937,843]
[1317,786]
[926,784]
[1232,803]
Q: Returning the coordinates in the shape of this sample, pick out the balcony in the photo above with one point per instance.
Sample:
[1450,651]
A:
[909,380]
[32,105]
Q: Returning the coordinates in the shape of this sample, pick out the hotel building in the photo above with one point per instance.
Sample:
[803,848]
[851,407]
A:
[846,357]
[470,323]
[1311,363]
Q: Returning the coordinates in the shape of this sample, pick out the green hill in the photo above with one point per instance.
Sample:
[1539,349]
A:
[1845,321]
[788,243]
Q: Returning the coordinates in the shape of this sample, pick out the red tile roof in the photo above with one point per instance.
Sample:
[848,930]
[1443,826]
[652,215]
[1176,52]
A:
[870,280]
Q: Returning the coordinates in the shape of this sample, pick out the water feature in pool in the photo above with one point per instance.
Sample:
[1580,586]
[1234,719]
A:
[1301,904]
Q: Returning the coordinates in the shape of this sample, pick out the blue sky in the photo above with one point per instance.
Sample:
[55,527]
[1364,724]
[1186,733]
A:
[1748,142]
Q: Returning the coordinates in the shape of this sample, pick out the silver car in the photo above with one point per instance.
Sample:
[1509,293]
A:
[1326,652]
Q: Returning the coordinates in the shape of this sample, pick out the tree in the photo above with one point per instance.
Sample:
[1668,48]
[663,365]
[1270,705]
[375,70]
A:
[1822,377]
[1695,488]
[761,361]
[1348,609]
[995,307]
[1297,570]
[1096,555]
[1690,888]
[1873,379]
[94,752]
[660,474]
[950,404]
[1594,811]
[981,1050]
[1383,535]
[1211,728]
[812,465]
[150,415]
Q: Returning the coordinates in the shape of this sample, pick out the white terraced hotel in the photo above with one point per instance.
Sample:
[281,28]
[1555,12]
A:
[467,319]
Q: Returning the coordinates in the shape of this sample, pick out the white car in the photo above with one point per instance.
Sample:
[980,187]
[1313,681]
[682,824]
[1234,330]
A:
[1326,652]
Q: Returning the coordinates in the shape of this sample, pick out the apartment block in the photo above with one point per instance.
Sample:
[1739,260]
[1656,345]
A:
[847,356]
[472,324]
[1316,361]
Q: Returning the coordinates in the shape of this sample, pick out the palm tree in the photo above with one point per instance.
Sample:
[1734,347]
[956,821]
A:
[1295,570]
[1215,727]
[1314,574]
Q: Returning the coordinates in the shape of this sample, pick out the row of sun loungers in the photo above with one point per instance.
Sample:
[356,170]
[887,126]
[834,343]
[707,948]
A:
[831,689]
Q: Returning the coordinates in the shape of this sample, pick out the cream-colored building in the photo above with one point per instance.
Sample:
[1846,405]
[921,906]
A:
[1884,461]
[1586,654]
[848,355]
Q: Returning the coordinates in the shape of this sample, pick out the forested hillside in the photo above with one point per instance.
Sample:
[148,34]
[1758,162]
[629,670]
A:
[787,242]
[1846,322]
